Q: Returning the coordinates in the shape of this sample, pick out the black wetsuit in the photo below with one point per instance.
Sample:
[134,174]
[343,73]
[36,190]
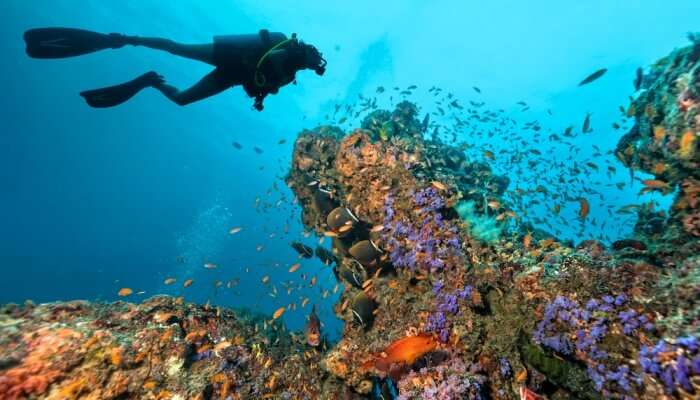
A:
[237,56]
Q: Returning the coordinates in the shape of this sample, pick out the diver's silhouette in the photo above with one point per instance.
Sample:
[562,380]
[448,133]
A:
[262,63]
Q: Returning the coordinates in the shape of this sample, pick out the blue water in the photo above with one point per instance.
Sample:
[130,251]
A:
[95,200]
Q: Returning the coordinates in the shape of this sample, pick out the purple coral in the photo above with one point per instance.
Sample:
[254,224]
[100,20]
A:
[452,379]
[429,199]
[426,242]
[465,293]
[566,326]
[438,323]
[447,304]
[437,286]
[674,363]
[505,367]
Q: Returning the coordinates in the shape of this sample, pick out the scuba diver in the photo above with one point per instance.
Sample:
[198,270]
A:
[261,63]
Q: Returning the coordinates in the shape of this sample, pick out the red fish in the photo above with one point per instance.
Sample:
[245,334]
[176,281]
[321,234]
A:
[313,329]
[404,352]
[527,394]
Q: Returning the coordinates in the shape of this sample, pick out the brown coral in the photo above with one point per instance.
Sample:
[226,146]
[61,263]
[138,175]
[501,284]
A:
[691,224]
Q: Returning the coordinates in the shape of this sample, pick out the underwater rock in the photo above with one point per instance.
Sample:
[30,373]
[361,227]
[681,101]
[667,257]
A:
[665,142]
[456,264]
[446,291]
[629,243]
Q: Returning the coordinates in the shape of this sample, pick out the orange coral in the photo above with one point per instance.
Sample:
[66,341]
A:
[42,365]
[115,356]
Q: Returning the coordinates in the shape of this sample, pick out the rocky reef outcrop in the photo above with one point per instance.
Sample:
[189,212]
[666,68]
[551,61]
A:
[162,348]
[665,142]
[430,251]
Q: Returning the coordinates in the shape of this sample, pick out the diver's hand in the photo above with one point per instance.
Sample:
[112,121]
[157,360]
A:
[258,105]
[153,78]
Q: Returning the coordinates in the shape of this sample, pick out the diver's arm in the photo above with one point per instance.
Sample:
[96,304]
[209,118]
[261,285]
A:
[211,84]
[258,104]
[274,75]
[256,92]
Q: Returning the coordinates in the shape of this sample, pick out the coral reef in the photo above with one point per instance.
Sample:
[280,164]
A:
[160,349]
[665,142]
[448,293]
[512,309]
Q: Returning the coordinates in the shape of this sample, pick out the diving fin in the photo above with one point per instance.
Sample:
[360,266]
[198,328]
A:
[118,94]
[69,42]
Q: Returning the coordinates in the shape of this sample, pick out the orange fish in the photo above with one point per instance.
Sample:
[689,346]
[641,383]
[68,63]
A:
[221,346]
[313,329]
[405,351]
[169,281]
[686,144]
[655,184]
[294,267]
[188,283]
[345,228]
[123,292]
[659,133]
[584,209]
[438,185]
[278,313]
[527,240]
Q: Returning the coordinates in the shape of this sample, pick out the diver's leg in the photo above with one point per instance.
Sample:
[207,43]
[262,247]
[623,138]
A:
[199,52]
[213,83]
